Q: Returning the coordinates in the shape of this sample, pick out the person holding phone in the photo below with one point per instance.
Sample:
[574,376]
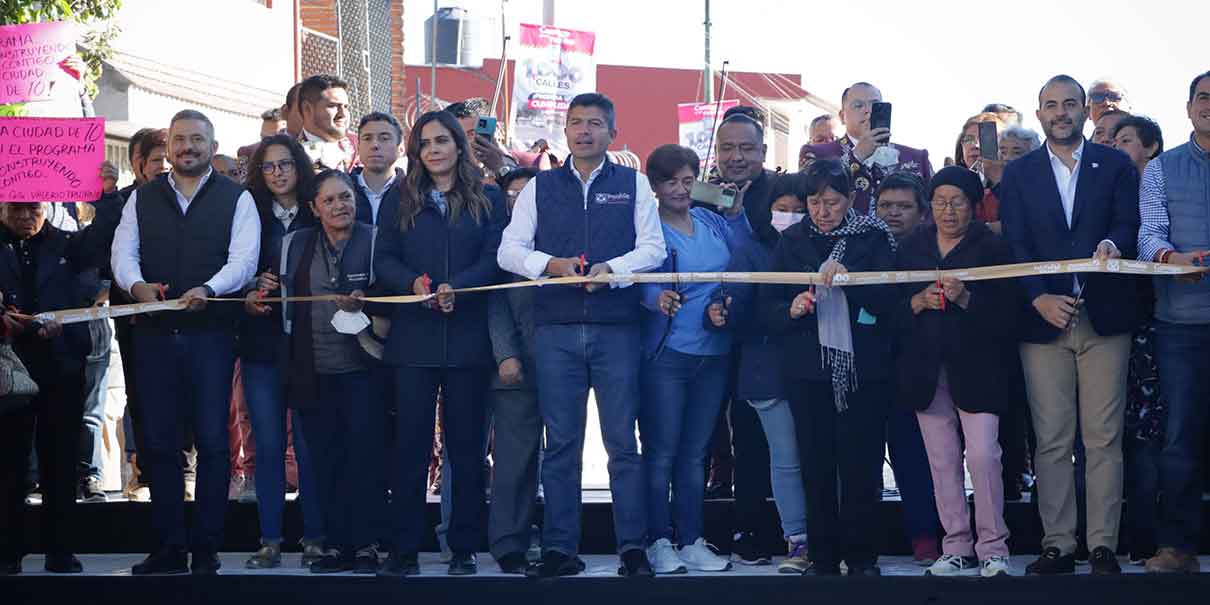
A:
[866,147]
[480,128]
[684,369]
[970,153]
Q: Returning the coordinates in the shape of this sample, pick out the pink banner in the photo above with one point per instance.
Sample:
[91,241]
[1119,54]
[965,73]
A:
[552,66]
[33,61]
[51,159]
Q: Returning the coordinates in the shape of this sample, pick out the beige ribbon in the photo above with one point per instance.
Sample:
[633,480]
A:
[862,278]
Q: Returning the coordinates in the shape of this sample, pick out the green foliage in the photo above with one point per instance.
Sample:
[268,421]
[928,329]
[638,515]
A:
[98,31]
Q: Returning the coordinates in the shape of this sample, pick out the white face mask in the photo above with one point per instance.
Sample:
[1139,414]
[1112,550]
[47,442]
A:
[784,220]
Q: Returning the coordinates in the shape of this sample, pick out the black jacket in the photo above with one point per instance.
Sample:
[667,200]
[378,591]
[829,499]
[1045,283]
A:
[971,342]
[462,254]
[390,198]
[799,338]
[63,261]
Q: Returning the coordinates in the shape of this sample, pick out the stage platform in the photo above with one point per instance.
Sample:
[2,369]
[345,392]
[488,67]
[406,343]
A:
[107,580]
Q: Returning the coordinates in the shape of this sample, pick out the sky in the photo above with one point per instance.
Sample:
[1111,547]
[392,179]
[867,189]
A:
[938,61]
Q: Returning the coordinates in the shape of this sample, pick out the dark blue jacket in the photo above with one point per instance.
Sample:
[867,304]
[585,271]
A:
[390,199]
[599,226]
[462,254]
[260,338]
[1106,207]
[759,366]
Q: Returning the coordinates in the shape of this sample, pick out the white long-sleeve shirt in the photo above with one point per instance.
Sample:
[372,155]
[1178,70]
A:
[242,253]
[517,254]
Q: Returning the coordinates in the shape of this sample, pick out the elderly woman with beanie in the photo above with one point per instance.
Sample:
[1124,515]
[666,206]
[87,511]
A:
[951,370]
[835,353]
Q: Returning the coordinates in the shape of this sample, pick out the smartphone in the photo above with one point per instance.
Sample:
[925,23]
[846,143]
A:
[486,126]
[880,115]
[715,195]
[989,141]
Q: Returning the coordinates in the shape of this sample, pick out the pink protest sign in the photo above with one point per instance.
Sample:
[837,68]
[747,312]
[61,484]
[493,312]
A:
[51,159]
[33,61]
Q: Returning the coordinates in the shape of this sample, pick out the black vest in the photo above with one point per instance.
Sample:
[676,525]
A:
[183,250]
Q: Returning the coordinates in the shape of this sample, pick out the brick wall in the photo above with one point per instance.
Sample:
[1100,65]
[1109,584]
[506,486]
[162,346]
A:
[399,88]
[320,15]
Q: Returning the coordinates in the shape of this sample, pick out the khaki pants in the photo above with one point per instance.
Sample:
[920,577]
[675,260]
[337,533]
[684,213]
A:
[1079,372]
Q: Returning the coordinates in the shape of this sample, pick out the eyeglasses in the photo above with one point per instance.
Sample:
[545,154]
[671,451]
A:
[955,205]
[968,140]
[1103,97]
[285,166]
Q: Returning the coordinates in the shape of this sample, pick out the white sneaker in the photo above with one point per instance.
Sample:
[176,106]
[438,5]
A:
[953,565]
[699,556]
[994,566]
[664,559]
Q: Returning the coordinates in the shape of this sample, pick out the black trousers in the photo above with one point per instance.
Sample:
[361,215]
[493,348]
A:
[55,415]
[464,400]
[841,457]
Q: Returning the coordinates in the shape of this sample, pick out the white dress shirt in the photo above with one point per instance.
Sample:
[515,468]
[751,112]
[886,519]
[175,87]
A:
[375,197]
[242,253]
[1066,179]
[517,254]
[340,155]
[284,215]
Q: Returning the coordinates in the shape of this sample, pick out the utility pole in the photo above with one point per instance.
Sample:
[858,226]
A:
[707,73]
[433,66]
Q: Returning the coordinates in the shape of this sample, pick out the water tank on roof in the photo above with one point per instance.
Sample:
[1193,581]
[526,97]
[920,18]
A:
[457,38]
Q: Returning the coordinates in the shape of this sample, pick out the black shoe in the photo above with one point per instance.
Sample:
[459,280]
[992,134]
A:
[816,569]
[554,564]
[366,561]
[399,565]
[513,563]
[10,566]
[1104,562]
[166,561]
[90,490]
[332,562]
[719,491]
[63,564]
[635,565]
[746,547]
[870,571]
[463,564]
[1051,562]
[204,563]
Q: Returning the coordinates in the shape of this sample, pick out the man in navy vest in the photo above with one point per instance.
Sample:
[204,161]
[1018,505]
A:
[596,215]
[1174,201]
[191,234]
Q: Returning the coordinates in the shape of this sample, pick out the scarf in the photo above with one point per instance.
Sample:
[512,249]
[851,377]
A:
[832,307]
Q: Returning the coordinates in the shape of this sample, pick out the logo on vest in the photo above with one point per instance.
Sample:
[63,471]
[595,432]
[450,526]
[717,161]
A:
[612,199]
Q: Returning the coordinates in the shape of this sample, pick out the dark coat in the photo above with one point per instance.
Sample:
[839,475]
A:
[799,338]
[1106,207]
[759,367]
[390,198]
[866,178]
[971,342]
[261,338]
[462,254]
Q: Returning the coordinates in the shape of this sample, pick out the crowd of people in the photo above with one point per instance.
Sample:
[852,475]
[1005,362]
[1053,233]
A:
[1088,383]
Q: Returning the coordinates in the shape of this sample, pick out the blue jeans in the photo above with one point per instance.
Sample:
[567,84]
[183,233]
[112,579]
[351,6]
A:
[681,398]
[785,472]
[345,438]
[1182,353]
[264,392]
[96,387]
[187,380]
[570,359]
[910,463]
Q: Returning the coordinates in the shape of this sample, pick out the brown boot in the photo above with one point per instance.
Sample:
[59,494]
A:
[1173,560]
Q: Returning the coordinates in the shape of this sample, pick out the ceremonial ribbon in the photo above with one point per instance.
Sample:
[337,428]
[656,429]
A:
[863,278]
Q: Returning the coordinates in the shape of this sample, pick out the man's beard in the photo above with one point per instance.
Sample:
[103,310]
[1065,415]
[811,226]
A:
[197,170]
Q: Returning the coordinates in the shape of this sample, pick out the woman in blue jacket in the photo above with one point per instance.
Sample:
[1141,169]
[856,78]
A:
[443,237]
[684,369]
[759,381]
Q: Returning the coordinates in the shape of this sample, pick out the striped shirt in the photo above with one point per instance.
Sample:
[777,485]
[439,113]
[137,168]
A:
[1153,209]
